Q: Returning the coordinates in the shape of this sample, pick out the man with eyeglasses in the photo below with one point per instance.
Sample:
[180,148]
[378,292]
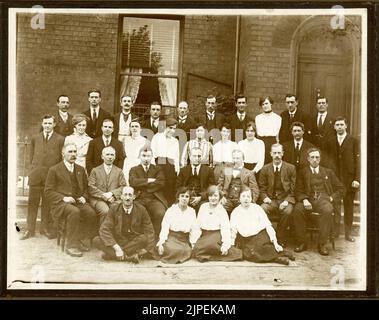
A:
[238,121]
[153,121]
[123,119]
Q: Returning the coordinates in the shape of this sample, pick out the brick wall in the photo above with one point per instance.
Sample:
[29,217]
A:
[71,55]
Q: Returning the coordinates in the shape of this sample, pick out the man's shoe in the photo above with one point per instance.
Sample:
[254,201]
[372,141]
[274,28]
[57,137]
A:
[282,260]
[73,252]
[27,234]
[106,257]
[300,248]
[133,258]
[83,247]
[47,234]
[349,238]
[323,250]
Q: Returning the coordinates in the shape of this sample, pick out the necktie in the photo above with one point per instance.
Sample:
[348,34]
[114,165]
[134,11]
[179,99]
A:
[241,117]
[276,177]
[94,115]
[195,171]
[291,116]
[46,139]
[319,124]
[106,142]
[146,168]
[340,140]
[297,152]
[126,116]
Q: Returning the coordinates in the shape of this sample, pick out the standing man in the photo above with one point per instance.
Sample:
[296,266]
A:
[292,114]
[105,184]
[123,119]
[185,122]
[295,151]
[343,152]
[149,183]
[95,113]
[322,125]
[238,121]
[45,152]
[93,158]
[64,125]
[66,189]
[277,190]
[153,121]
[127,233]
[317,189]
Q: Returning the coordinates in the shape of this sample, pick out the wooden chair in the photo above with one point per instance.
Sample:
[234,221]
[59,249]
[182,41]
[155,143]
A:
[61,233]
[312,227]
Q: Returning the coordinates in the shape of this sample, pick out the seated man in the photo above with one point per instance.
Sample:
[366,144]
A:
[66,189]
[127,233]
[149,182]
[105,184]
[197,177]
[277,190]
[317,189]
[233,179]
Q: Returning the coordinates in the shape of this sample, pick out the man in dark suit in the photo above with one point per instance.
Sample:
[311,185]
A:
[322,125]
[66,189]
[343,151]
[233,180]
[238,121]
[148,182]
[93,158]
[185,122]
[277,190]
[64,125]
[96,114]
[291,115]
[105,184]
[317,189]
[295,150]
[127,233]
[154,122]
[197,177]
[45,152]
[123,119]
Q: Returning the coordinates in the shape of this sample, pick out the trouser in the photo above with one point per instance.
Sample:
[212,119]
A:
[284,220]
[101,207]
[130,245]
[35,194]
[80,221]
[348,213]
[169,171]
[156,210]
[322,206]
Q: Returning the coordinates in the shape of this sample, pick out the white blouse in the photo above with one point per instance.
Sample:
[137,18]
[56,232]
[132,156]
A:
[179,221]
[215,219]
[82,143]
[249,222]
[268,124]
[254,152]
[166,148]
[222,151]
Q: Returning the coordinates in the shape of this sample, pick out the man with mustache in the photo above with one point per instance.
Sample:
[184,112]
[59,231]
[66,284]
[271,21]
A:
[66,189]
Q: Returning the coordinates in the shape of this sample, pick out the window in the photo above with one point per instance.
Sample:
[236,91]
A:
[149,61]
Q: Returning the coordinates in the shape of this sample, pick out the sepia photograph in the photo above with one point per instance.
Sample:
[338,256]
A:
[187,149]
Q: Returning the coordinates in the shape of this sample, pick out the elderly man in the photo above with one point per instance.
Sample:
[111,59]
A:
[45,152]
[66,189]
[232,180]
[277,190]
[93,158]
[123,119]
[105,184]
[149,183]
[238,121]
[127,233]
[64,119]
[317,189]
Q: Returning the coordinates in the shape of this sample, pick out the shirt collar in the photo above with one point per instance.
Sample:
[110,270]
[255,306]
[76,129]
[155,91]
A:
[48,134]
[108,166]
[96,109]
[279,166]
[300,142]
[292,113]
[342,136]
[211,113]
[183,118]
[317,169]
[63,114]
[323,114]
[69,166]
[128,211]
[197,167]
[105,139]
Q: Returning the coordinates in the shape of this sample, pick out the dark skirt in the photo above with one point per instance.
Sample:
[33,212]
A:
[168,168]
[268,141]
[177,248]
[208,248]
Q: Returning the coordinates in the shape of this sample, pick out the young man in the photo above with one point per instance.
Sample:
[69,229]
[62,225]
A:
[152,123]
[64,125]
[343,153]
[123,119]
[238,121]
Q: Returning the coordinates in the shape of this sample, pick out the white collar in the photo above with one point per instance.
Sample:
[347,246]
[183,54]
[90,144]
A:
[105,138]
[128,211]
[183,118]
[197,167]
[240,168]
[322,114]
[108,167]
[63,114]
[292,113]
[317,169]
[300,142]
[342,136]
[279,166]
[96,108]
[48,134]
[211,113]
[69,166]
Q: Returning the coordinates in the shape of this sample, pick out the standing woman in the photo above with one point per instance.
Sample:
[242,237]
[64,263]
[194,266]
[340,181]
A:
[214,243]
[257,237]
[80,138]
[179,230]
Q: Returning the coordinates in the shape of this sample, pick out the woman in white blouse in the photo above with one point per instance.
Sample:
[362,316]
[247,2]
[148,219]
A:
[257,237]
[214,243]
[179,230]
[80,138]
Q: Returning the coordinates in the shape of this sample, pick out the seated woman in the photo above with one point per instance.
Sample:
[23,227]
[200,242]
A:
[257,237]
[179,230]
[214,243]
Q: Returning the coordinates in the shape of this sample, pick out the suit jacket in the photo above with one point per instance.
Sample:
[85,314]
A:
[111,229]
[285,133]
[346,163]
[99,184]
[290,153]
[58,185]
[206,176]
[64,128]
[187,126]
[320,136]
[43,155]
[138,180]
[203,118]
[93,130]
[96,146]
[332,184]
[247,179]
[116,122]
[287,177]
[236,123]
[146,124]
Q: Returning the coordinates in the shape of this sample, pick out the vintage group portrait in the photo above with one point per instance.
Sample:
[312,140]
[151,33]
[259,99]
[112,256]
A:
[187,149]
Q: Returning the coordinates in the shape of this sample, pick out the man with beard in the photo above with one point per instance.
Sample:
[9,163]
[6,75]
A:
[123,119]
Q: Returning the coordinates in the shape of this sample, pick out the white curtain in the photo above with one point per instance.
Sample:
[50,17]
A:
[167,89]
[130,84]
